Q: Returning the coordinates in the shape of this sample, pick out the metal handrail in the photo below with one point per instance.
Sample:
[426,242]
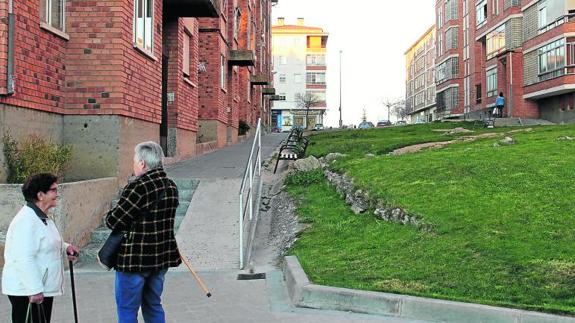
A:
[249,174]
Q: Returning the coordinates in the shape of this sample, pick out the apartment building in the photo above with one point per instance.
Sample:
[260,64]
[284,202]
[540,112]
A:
[103,76]
[521,49]
[236,51]
[299,54]
[420,78]
[549,58]
[449,61]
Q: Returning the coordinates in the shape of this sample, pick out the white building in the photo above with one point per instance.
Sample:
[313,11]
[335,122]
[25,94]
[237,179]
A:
[299,54]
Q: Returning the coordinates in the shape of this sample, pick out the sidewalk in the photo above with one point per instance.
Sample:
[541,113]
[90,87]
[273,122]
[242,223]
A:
[208,236]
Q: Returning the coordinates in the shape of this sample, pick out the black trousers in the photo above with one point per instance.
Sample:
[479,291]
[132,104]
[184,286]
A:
[20,307]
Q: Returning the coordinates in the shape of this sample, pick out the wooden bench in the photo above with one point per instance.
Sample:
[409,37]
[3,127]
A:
[293,149]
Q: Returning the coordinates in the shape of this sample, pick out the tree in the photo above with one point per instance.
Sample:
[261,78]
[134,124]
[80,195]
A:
[395,106]
[307,101]
[400,109]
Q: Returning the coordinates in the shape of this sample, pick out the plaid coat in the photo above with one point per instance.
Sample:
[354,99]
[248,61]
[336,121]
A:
[150,243]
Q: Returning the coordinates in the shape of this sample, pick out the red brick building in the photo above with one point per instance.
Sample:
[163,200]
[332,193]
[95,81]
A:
[449,60]
[522,49]
[235,50]
[103,76]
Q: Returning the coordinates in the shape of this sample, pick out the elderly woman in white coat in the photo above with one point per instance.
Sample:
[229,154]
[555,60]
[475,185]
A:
[33,256]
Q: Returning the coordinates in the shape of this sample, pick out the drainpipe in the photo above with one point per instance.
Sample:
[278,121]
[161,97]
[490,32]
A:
[10,65]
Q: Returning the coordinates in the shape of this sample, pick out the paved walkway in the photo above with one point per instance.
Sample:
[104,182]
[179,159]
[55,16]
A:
[208,236]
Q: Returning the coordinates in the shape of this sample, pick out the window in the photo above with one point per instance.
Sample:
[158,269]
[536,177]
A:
[439,17]
[237,19]
[315,60]
[222,72]
[477,93]
[282,78]
[447,70]
[52,13]
[491,76]
[552,60]
[451,38]
[143,24]
[543,16]
[447,99]
[320,95]
[297,78]
[283,60]
[186,61]
[451,10]
[439,44]
[315,78]
[495,7]
[481,13]
[495,41]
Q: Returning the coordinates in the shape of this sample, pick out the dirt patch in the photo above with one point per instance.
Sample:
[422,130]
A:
[440,144]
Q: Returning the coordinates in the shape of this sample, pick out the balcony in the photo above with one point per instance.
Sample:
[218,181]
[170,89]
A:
[278,98]
[242,58]
[259,79]
[192,8]
[268,91]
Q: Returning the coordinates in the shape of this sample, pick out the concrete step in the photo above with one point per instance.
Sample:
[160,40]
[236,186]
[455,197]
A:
[186,183]
[177,221]
[185,194]
[100,235]
[89,252]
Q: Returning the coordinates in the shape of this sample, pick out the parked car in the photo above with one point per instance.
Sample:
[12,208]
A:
[318,127]
[383,123]
[365,125]
[401,123]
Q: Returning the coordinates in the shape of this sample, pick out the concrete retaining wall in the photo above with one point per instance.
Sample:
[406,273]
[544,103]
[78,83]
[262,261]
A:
[305,294]
[80,209]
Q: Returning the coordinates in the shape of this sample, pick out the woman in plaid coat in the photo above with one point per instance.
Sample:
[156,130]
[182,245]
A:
[146,212]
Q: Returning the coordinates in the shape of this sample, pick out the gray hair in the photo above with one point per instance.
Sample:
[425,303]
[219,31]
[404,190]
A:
[151,153]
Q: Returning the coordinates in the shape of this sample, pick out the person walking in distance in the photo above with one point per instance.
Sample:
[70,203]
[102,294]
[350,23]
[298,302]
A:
[499,105]
[145,212]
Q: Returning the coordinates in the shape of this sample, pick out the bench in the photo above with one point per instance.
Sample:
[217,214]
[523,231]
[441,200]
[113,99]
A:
[294,148]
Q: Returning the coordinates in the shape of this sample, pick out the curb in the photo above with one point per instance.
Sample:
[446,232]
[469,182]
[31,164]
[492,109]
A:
[305,294]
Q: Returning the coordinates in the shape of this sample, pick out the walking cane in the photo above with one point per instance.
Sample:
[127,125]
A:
[200,282]
[71,264]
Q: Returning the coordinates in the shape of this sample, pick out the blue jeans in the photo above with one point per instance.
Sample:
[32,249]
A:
[140,289]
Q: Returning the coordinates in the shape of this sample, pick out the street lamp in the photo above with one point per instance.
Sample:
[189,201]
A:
[340,121]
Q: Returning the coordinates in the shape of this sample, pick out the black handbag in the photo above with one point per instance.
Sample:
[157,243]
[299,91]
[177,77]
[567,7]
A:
[108,254]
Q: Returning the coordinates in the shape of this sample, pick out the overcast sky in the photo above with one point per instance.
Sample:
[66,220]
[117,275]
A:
[373,35]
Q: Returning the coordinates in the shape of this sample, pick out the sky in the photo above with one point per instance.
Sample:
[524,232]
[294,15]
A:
[373,36]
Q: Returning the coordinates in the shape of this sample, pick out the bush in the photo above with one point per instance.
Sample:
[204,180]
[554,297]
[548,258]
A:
[243,128]
[34,155]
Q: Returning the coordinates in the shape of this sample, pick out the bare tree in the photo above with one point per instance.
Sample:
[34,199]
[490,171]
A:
[400,109]
[307,101]
[395,106]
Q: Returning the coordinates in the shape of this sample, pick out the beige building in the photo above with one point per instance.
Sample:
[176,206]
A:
[420,78]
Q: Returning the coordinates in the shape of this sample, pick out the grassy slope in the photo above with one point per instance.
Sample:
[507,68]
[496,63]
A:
[504,220]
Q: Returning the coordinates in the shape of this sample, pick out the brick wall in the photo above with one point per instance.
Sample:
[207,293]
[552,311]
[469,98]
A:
[38,60]
[105,73]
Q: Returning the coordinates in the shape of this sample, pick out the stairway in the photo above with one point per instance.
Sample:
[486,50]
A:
[87,260]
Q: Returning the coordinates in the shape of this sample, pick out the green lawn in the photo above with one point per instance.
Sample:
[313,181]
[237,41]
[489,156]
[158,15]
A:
[503,218]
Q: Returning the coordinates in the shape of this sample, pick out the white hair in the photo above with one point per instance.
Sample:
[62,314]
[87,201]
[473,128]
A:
[151,153]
